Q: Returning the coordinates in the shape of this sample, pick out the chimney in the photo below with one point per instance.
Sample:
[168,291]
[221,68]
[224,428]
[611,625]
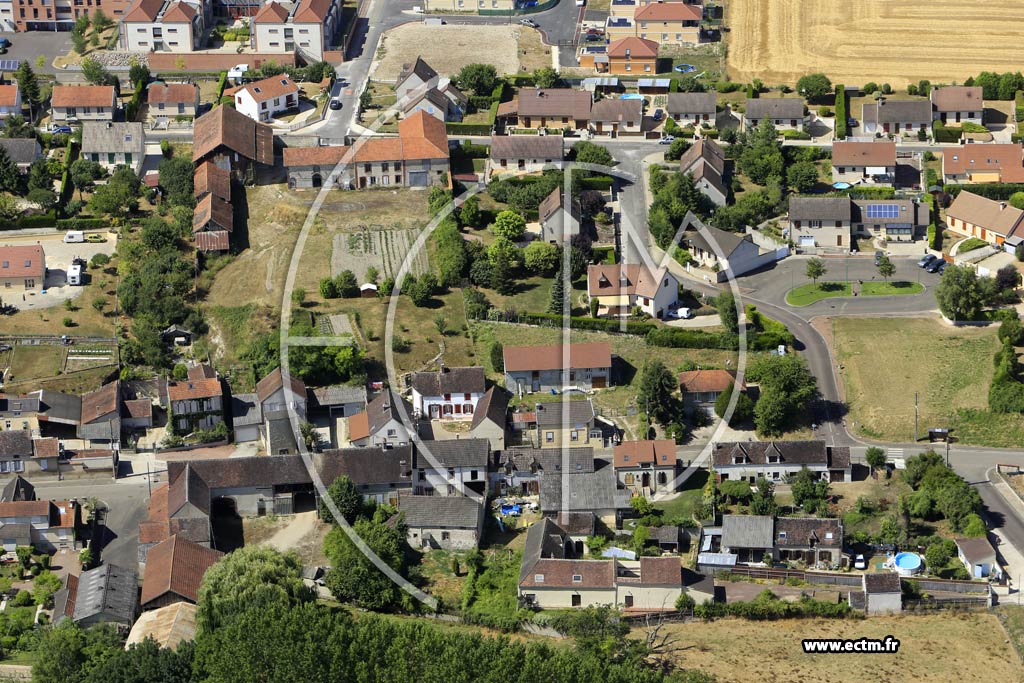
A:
[109,124]
[1002,205]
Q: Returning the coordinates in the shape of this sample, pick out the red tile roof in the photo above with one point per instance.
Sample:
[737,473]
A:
[661,571]
[176,566]
[26,261]
[179,12]
[172,93]
[358,426]
[606,280]
[143,11]
[661,452]
[669,11]
[8,95]
[213,240]
[698,381]
[213,210]
[638,48]
[139,407]
[101,402]
[46,448]
[271,13]
[227,127]
[268,88]
[591,355]
[211,178]
[556,573]
[423,137]
[863,154]
[1005,159]
[82,96]
[420,136]
[312,11]
[193,389]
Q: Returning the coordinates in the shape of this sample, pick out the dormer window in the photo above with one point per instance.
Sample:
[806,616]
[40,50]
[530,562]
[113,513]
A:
[625,458]
[828,535]
[577,578]
[782,535]
[538,578]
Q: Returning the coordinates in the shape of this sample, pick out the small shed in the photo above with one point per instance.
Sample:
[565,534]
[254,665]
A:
[883,593]
[368,290]
[653,86]
[978,556]
[666,537]
[710,564]
[137,413]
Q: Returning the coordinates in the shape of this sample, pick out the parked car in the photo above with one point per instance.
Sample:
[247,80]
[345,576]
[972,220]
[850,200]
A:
[879,255]
[666,140]
[935,266]
[594,31]
[529,22]
[680,313]
[658,114]
[926,261]
[593,37]
[335,103]
[859,562]
[942,267]
[852,123]
[94,238]
[61,129]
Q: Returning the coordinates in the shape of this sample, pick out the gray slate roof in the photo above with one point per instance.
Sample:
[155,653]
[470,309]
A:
[22,151]
[19,532]
[882,582]
[468,380]
[336,395]
[728,242]
[367,466]
[547,459]
[264,470]
[775,108]
[420,68]
[16,443]
[597,490]
[820,208]
[493,406]
[789,452]
[556,415]
[382,409]
[246,410]
[456,453]
[65,408]
[898,111]
[102,138]
[747,531]
[691,103]
[109,590]
[544,540]
[17,489]
[527,147]
[441,512]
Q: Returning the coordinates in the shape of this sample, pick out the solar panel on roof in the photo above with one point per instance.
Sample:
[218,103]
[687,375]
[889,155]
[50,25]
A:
[9,64]
[883,211]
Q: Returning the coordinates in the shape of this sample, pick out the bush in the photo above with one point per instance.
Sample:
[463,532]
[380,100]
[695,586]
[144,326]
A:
[841,116]
[796,135]
[78,223]
[691,339]
[942,133]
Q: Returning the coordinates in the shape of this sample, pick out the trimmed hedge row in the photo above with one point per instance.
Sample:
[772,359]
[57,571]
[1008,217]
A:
[997,191]
[77,223]
[602,183]
[676,338]
[841,117]
[221,83]
[943,134]
[467,128]
[596,324]
[36,220]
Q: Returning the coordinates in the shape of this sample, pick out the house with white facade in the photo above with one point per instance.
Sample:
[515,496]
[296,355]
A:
[164,26]
[522,468]
[615,117]
[871,163]
[46,525]
[452,467]
[309,27]
[958,104]
[646,468]
[692,108]
[83,103]
[540,368]
[785,113]
[778,460]
[449,393]
[704,161]
[169,100]
[728,254]
[521,154]
[264,99]
[114,144]
[382,423]
[451,523]
[618,288]
[420,88]
[896,116]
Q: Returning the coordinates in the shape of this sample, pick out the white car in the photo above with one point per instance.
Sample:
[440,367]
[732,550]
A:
[859,562]
[666,140]
[680,314]
[529,22]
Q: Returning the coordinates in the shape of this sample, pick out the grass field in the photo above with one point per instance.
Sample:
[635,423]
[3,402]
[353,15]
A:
[931,648]
[780,40]
[449,48]
[887,360]
[35,362]
[805,295]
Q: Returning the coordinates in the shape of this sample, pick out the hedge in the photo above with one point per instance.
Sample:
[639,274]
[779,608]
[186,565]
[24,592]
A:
[997,191]
[480,102]
[796,135]
[596,324]
[841,117]
[467,128]
[943,134]
[472,151]
[674,337]
[77,223]
[861,192]
[673,85]
[221,82]
[66,187]
[36,220]
[521,80]
[602,183]
[499,92]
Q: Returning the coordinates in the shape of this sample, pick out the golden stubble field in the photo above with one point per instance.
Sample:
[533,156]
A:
[872,40]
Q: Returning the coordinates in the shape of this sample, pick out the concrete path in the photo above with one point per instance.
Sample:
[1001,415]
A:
[288,538]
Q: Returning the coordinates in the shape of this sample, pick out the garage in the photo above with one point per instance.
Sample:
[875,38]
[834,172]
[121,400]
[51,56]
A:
[418,178]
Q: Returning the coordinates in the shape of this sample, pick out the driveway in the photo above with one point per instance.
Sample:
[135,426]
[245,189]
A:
[28,47]
[58,258]
[126,502]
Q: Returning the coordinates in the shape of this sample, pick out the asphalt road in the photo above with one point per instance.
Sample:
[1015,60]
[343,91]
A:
[29,46]
[126,502]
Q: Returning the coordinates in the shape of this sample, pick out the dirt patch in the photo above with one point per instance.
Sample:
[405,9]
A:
[931,646]
[384,250]
[449,48]
[780,40]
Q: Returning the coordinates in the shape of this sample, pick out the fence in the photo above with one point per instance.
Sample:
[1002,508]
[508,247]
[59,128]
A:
[539,7]
[951,586]
[925,604]
[837,579]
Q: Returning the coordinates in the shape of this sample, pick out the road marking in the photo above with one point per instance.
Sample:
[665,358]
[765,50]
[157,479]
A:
[894,453]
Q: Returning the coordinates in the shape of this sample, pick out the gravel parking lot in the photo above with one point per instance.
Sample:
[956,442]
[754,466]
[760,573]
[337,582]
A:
[58,258]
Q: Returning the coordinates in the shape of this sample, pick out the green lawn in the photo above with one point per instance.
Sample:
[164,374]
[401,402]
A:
[684,505]
[891,288]
[804,295]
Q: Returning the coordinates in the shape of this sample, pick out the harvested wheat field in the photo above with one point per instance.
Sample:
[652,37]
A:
[934,648]
[872,40]
[449,48]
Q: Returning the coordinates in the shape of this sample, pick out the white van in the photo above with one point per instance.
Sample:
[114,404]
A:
[75,274]
[74,236]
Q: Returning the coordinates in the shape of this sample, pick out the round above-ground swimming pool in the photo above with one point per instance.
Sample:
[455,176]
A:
[907,564]
[842,186]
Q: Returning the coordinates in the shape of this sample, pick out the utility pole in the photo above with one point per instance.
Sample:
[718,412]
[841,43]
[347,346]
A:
[915,417]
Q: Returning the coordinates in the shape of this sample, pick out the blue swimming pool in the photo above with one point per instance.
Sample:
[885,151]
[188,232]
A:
[631,96]
[842,186]
[907,563]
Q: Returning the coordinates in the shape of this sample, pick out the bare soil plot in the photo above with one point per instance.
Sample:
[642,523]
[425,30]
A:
[872,40]
[449,48]
[931,646]
[377,247]
[886,360]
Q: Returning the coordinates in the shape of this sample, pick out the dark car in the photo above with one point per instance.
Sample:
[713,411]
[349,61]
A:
[594,37]
[879,255]
[926,261]
[335,103]
[61,129]
[936,266]
[942,267]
